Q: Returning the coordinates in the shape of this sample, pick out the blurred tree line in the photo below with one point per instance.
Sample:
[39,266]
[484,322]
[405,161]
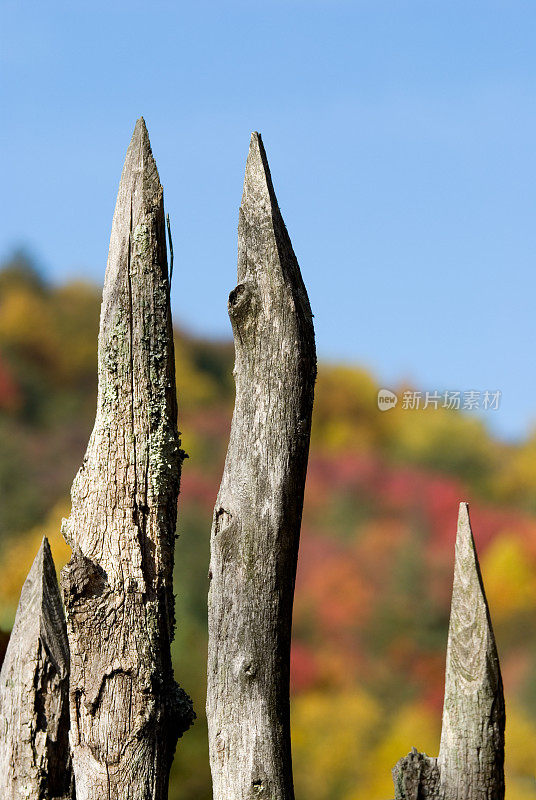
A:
[375,569]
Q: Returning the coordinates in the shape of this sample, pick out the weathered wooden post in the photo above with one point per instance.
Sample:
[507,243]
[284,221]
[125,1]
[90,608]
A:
[256,525]
[126,709]
[35,763]
[470,765]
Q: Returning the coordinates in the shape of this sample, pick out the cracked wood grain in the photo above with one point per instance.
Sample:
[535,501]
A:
[470,765]
[257,518]
[472,735]
[35,762]
[126,709]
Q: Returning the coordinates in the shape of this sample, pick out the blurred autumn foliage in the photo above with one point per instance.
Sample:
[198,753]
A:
[375,570]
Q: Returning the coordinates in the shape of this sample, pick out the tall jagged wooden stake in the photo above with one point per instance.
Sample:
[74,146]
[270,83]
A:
[256,525]
[35,763]
[126,709]
[470,765]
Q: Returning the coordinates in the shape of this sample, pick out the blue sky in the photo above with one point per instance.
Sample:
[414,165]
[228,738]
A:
[401,137]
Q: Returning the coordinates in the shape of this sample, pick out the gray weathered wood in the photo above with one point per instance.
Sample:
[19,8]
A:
[472,735]
[256,525]
[470,765]
[126,709]
[35,763]
[416,777]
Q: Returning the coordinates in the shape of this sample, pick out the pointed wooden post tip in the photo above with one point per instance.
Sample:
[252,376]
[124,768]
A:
[140,135]
[44,555]
[255,140]
[126,708]
[473,713]
[464,523]
[35,761]
[256,149]
[256,523]
[267,265]
[258,194]
[470,764]
[259,199]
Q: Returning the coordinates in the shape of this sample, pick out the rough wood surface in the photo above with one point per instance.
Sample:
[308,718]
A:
[126,709]
[35,762]
[416,777]
[471,758]
[256,525]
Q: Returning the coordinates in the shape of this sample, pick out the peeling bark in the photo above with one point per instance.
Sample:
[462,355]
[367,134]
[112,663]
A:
[471,757]
[126,709]
[257,518]
[35,763]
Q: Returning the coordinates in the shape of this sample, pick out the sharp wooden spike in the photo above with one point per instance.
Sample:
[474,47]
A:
[470,765]
[35,762]
[471,755]
[126,710]
[256,524]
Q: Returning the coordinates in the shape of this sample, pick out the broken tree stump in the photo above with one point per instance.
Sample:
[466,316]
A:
[470,765]
[257,518]
[35,762]
[126,709]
